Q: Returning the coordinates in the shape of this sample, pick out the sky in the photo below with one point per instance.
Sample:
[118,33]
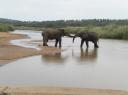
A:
[42,10]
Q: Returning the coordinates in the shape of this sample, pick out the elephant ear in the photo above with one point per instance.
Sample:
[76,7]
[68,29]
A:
[63,33]
[79,34]
[85,35]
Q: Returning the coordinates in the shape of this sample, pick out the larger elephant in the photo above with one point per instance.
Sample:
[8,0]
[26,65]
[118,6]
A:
[86,37]
[54,34]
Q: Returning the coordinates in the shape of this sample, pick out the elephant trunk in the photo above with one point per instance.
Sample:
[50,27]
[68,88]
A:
[69,35]
[74,38]
[76,35]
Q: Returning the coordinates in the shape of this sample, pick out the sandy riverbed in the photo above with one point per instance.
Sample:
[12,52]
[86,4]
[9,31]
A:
[57,91]
[9,52]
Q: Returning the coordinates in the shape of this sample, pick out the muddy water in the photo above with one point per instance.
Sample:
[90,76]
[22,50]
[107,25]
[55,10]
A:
[105,67]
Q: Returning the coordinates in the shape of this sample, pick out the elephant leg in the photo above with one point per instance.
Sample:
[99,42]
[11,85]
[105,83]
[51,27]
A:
[45,44]
[82,42]
[95,44]
[59,43]
[45,40]
[56,43]
[87,44]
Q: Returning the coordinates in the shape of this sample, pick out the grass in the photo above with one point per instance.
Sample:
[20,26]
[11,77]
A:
[110,31]
[6,27]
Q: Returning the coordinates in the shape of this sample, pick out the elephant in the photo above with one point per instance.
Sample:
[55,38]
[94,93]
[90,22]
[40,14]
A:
[86,37]
[54,34]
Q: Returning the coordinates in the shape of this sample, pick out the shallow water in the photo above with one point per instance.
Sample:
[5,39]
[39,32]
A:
[105,67]
[31,36]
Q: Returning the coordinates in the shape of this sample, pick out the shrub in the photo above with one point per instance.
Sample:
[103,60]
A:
[5,28]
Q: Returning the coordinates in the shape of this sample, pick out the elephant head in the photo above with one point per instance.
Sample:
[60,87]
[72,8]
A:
[63,33]
[79,34]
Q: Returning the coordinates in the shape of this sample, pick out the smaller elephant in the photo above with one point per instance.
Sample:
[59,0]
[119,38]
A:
[86,37]
[54,34]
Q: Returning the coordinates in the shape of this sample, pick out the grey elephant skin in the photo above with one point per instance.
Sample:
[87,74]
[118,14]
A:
[86,37]
[54,34]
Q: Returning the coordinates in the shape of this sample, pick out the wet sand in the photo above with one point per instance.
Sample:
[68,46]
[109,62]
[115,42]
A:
[9,52]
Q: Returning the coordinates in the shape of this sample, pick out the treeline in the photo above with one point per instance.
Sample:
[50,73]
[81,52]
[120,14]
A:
[73,23]
[65,23]
[6,27]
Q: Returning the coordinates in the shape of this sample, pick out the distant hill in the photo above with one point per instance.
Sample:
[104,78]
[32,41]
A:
[8,21]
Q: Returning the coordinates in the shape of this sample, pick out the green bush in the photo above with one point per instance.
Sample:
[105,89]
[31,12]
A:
[5,28]
[109,31]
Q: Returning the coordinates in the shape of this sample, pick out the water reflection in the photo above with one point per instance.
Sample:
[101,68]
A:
[57,58]
[86,55]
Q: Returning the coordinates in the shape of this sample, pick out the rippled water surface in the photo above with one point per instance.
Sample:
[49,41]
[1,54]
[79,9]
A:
[105,67]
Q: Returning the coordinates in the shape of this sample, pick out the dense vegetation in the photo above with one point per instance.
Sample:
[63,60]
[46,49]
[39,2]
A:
[116,29]
[108,31]
[6,27]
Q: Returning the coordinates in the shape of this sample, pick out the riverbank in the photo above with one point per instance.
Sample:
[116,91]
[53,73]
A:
[9,52]
[57,91]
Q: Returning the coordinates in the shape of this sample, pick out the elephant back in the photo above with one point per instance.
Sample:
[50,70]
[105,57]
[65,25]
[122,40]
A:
[92,35]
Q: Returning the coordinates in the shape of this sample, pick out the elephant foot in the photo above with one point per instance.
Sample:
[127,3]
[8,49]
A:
[45,45]
[96,46]
[81,46]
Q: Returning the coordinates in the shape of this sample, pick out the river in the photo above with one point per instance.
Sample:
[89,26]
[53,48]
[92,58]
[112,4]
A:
[104,68]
